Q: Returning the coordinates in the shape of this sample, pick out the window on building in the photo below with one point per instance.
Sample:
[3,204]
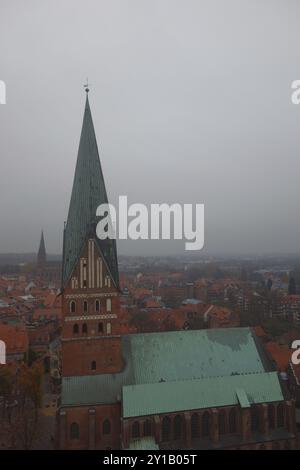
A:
[108,305]
[85,306]
[178,427]
[93,365]
[254,418]
[280,415]
[222,421]
[287,445]
[271,416]
[74,431]
[73,306]
[75,329]
[195,426]
[136,429]
[106,427]
[205,424]
[166,428]
[84,328]
[97,306]
[147,427]
[232,420]
[108,328]
[100,327]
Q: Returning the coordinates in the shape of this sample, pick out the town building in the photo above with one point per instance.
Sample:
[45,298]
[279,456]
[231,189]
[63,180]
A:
[16,342]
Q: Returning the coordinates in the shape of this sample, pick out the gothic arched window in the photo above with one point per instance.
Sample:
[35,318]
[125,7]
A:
[93,365]
[106,427]
[75,329]
[84,328]
[74,431]
[178,425]
[73,306]
[205,422]
[85,306]
[287,445]
[136,429]
[195,425]
[222,422]
[271,416]
[280,415]
[108,305]
[97,306]
[166,428]
[254,418]
[232,420]
[147,427]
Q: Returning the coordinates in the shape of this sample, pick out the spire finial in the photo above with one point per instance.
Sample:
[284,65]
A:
[87,86]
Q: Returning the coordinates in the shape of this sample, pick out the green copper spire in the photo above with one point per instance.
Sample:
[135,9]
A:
[87,194]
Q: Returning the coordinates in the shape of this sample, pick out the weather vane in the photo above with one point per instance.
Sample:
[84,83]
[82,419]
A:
[87,86]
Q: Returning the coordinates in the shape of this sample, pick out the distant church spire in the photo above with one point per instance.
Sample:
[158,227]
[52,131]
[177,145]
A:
[41,256]
[88,193]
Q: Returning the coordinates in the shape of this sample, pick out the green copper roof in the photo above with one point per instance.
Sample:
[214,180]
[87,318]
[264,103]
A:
[87,194]
[194,354]
[166,397]
[143,443]
[169,357]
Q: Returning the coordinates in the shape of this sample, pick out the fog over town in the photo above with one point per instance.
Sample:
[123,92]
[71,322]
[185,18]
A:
[191,104]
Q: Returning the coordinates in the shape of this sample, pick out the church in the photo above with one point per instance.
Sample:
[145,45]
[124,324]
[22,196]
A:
[195,389]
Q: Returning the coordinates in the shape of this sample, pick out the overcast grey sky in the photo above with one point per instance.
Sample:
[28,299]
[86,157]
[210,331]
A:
[191,103]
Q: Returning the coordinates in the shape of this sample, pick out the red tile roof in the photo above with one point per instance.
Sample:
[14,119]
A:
[280,354]
[15,338]
[259,331]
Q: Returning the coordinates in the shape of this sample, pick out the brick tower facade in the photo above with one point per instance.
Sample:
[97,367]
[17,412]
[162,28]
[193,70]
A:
[91,342]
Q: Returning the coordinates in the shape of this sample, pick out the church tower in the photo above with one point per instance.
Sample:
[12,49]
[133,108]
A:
[41,256]
[91,341]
